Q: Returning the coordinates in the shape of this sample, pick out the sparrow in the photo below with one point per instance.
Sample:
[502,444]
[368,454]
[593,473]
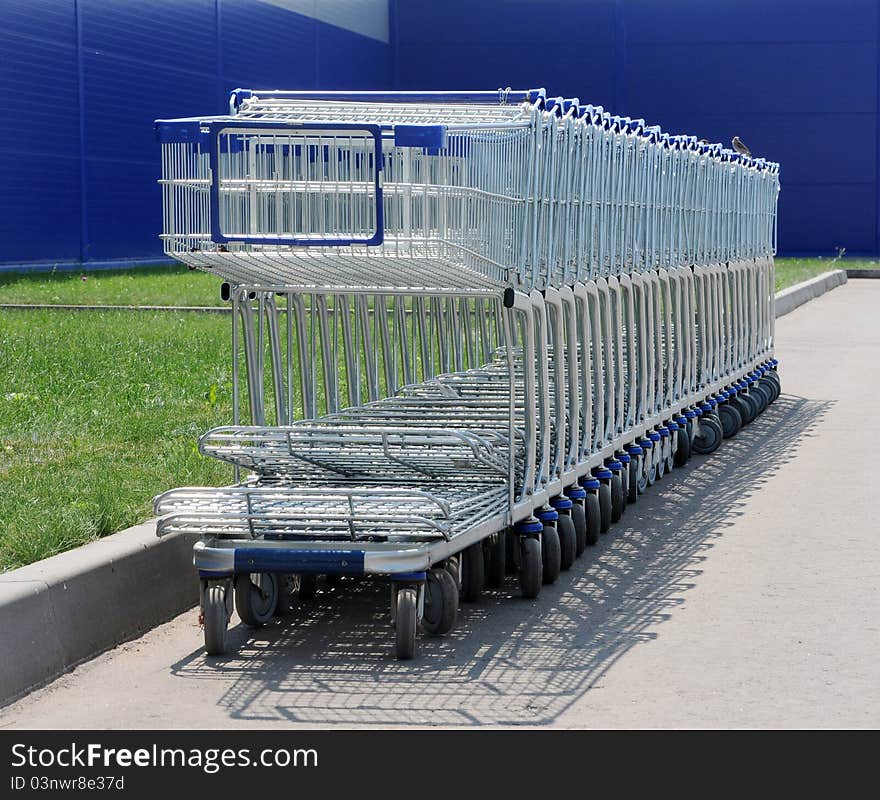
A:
[740,147]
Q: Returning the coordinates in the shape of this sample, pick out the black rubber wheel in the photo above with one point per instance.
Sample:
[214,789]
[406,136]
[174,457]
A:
[670,457]
[473,574]
[551,555]
[594,517]
[642,478]
[567,541]
[604,507]
[772,389]
[624,485]
[405,623]
[761,395]
[747,408]
[650,468]
[731,421]
[441,602]
[216,620]
[683,450]
[531,568]
[579,518]
[616,497]
[633,477]
[495,558]
[710,436]
[660,464]
[308,586]
[256,597]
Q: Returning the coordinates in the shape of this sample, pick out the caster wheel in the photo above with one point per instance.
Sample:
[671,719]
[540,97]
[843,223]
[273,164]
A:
[661,466]
[642,482]
[405,622]
[567,541]
[551,554]
[683,449]
[651,471]
[616,497]
[473,574]
[709,438]
[670,456]
[216,617]
[632,490]
[761,396]
[579,518]
[593,509]
[495,558]
[731,421]
[530,568]
[771,387]
[441,603]
[308,586]
[604,507]
[453,566]
[747,408]
[256,597]
[624,486]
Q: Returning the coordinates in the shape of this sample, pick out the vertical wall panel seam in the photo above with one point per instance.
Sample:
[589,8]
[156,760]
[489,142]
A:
[80,88]
[877,147]
[218,43]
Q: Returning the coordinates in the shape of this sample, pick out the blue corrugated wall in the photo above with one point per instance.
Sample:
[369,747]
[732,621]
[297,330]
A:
[83,80]
[797,80]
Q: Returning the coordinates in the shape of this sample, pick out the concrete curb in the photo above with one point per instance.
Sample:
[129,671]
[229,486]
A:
[863,273]
[789,299]
[59,612]
[67,609]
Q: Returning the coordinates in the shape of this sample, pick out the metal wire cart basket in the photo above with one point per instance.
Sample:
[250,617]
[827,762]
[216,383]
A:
[474,327]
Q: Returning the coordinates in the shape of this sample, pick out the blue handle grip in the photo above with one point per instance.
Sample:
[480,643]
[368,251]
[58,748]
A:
[217,235]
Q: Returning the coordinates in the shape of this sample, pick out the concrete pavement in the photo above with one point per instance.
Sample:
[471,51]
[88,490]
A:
[741,592]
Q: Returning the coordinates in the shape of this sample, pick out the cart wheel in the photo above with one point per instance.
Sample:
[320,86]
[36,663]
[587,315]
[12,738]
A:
[567,541]
[216,620]
[616,497]
[551,554]
[472,572]
[593,508]
[761,396]
[441,603]
[405,623]
[670,457]
[256,597]
[495,557]
[651,471]
[683,450]
[635,467]
[453,566]
[771,387]
[605,507]
[744,405]
[624,485]
[731,421]
[710,437]
[579,518]
[660,466]
[308,586]
[530,568]
[642,483]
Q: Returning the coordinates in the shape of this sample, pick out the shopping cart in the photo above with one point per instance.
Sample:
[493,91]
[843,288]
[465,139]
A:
[473,327]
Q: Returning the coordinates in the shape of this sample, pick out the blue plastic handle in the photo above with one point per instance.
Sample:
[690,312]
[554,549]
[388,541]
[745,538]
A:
[215,128]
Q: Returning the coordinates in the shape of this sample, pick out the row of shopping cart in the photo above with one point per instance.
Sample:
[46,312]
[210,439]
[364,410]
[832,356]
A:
[472,328]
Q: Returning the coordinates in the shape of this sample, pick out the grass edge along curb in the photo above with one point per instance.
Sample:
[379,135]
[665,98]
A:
[64,610]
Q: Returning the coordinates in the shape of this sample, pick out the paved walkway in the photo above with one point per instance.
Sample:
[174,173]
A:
[744,591]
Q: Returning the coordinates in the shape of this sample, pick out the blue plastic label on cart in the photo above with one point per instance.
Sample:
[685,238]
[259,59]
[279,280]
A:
[430,136]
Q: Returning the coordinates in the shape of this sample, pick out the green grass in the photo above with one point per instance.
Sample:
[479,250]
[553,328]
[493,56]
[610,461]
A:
[790,271]
[99,412]
[145,286]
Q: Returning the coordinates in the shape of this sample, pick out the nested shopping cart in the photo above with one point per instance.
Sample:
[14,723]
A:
[472,328]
